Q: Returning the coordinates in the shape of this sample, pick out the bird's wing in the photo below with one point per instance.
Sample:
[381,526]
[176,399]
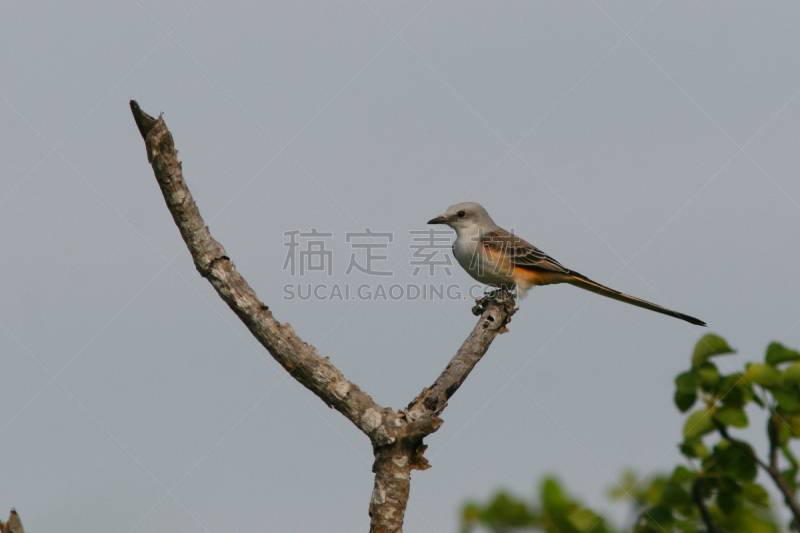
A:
[519,252]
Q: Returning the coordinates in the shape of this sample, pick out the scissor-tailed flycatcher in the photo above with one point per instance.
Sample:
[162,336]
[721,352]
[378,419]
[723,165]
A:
[496,257]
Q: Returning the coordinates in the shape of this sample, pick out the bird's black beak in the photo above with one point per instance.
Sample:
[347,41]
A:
[438,220]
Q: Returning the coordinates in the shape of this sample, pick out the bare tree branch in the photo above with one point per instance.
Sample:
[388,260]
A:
[433,400]
[211,261]
[396,436]
[14,525]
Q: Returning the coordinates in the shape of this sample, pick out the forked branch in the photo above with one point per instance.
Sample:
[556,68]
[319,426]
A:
[396,436]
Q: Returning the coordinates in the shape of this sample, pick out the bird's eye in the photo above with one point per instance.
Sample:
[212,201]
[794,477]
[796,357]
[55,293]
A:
[461,214]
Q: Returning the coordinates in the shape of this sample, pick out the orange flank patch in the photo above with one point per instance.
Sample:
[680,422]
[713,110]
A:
[498,262]
[501,266]
[524,276]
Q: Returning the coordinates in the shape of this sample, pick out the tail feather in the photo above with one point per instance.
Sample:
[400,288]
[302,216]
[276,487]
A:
[579,280]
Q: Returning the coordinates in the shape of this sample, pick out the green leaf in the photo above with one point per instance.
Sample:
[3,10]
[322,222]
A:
[552,495]
[584,520]
[788,427]
[744,520]
[661,517]
[727,502]
[784,431]
[707,485]
[625,487]
[698,424]
[789,475]
[506,511]
[694,448]
[791,376]
[675,495]
[686,382]
[755,493]
[681,474]
[650,494]
[794,423]
[744,467]
[728,495]
[709,376]
[688,526]
[709,346]
[733,397]
[764,375]
[686,390]
[731,460]
[731,416]
[685,400]
[470,513]
[777,353]
[734,392]
[788,399]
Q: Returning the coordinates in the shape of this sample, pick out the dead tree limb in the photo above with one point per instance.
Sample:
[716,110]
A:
[14,525]
[396,436]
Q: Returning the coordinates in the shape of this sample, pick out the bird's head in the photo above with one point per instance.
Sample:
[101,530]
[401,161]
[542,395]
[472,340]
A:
[465,215]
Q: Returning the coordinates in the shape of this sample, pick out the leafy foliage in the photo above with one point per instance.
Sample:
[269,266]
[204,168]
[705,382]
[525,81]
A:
[555,512]
[716,489]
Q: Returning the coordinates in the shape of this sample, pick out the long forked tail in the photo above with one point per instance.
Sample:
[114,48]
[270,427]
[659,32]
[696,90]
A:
[579,280]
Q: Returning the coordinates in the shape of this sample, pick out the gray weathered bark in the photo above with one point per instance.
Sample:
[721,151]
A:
[396,436]
[14,525]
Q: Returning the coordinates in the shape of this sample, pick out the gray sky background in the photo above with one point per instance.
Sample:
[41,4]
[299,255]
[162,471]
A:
[652,146]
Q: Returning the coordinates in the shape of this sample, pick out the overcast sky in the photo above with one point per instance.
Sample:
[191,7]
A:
[652,146]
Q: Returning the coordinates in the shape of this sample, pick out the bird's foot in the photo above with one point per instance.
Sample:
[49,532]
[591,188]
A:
[502,296]
[480,306]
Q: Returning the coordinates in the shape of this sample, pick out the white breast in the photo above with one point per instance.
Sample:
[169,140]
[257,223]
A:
[479,265]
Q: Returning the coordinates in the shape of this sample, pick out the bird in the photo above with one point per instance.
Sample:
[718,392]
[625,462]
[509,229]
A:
[499,258]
